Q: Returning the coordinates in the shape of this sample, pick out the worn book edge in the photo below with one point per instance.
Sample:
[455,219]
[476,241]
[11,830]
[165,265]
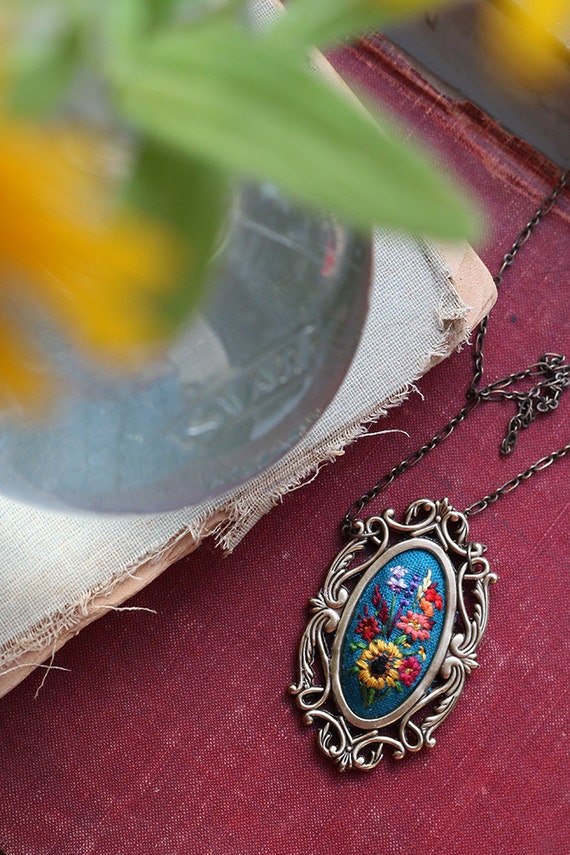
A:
[40,642]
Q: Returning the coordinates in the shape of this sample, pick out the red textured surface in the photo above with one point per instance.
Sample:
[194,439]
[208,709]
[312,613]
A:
[174,734]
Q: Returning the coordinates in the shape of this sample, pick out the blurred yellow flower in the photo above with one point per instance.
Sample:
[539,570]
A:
[61,244]
[526,38]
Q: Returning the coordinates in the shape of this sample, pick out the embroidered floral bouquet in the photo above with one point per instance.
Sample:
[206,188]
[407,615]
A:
[397,630]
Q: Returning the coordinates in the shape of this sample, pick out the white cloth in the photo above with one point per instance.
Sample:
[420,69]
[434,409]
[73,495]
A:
[52,565]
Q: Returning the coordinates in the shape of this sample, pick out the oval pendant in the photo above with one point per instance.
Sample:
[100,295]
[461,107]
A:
[394,633]
[399,641]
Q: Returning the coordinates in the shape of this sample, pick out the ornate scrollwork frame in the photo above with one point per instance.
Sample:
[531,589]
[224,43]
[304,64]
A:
[345,744]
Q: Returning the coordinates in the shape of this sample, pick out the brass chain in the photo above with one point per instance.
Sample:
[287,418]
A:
[541,398]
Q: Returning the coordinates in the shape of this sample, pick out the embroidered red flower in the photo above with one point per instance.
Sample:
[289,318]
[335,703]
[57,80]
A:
[432,596]
[381,604]
[383,612]
[416,625]
[408,670]
[367,626]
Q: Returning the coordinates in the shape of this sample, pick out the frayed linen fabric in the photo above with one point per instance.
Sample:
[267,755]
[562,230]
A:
[60,571]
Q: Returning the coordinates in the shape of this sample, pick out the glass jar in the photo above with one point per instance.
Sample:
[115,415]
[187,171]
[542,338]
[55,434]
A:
[244,380]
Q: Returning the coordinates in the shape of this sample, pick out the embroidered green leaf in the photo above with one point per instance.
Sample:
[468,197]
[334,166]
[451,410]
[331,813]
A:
[240,104]
[398,686]
[371,696]
[400,639]
[391,612]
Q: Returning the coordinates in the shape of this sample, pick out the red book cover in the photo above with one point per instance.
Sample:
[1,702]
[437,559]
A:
[174,733]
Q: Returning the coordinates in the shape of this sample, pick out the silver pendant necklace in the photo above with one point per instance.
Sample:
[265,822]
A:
[394,630]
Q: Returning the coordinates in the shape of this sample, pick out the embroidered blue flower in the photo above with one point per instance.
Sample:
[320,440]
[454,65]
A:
[396,581]
[414,584]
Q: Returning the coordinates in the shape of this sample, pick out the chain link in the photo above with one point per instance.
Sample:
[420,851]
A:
[510,485]
[541,398]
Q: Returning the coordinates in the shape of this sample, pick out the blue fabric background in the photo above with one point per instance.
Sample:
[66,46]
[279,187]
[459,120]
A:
[416,561]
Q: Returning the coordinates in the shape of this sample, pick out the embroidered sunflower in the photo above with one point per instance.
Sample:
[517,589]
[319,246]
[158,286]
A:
[378,665]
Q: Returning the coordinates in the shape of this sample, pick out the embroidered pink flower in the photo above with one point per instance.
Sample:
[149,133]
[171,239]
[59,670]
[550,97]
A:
[416,625]
[408,670]
[368,627]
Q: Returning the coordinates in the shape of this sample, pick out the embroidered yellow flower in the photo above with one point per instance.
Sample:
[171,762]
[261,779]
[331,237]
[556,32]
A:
[65,250]
[378,664]
[424,585]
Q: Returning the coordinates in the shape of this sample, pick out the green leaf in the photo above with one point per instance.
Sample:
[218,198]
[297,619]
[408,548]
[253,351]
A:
[323,23]
[232,99]
[41,75]
[398,686]
[160,11]
[121,24]
[190,198]
[126,22]
[400,639]
[371,696]
[134,18]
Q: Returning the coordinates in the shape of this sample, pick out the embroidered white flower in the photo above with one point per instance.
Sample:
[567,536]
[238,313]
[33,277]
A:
[396,581]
